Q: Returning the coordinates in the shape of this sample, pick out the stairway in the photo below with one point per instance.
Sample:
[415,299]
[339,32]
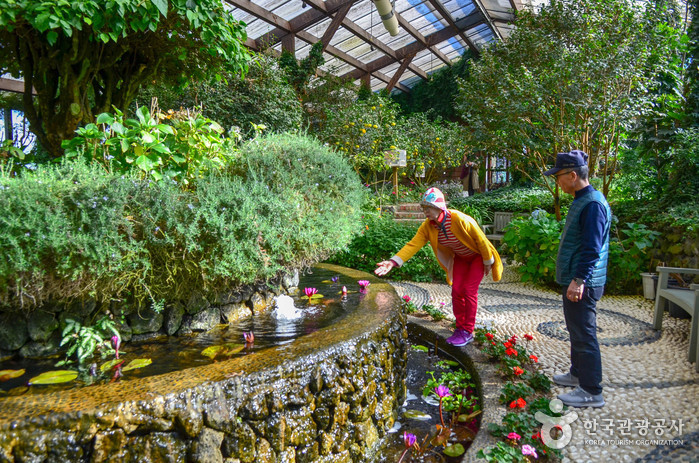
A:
[407,213]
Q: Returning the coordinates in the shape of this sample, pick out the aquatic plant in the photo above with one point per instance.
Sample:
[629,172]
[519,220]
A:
[311,294]
[84,340]
[363,285]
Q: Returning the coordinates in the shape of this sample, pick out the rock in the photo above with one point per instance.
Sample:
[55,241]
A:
[259,303]
[146,321]
[241,443]
[207,449]
[205,320]
[173,318]
[109,445]
[41,324]
[291,280]
[196,303]
[232,313]
[13,331]
[34,349]
[264,454]
[159,446]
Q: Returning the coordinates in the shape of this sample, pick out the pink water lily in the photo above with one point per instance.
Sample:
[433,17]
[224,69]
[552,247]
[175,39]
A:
[249,337]
[335,278]
[116,342]
[310,292]
[344,290]
[363,284]
[442,391]
[409,439]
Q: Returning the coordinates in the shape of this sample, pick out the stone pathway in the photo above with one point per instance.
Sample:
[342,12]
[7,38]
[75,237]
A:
[650,388]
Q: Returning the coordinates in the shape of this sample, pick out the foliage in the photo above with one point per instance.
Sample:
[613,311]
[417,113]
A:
[524,396]
[300,72]
[508,199]
[364,130]
[533,241]
[179,151]
[83,58]
[84,340]
[629,255]
[73,230]
[262,96]
[433,312]
[461,386]
[382,238]
[572,76]
[438,93]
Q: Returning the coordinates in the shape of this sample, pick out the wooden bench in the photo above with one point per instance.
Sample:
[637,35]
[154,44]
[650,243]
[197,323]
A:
[500,221]
[686,299]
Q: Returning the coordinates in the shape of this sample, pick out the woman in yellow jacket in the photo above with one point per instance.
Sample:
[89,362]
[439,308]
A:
[463,252]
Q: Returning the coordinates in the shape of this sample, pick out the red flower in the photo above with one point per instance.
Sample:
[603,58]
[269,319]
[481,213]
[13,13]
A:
[489,336]
[513,339]
[494,343]
[507,344]
[528,337]
[536,436]
[534,358]
[517,370]
[510,351]
[519,403]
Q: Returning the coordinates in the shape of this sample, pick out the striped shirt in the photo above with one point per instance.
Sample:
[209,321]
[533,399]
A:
[450,241]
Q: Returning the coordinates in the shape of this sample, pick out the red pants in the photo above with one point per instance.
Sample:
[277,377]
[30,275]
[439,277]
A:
[468,273]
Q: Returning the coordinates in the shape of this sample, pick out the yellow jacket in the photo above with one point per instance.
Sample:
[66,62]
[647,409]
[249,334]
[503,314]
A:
[466,230]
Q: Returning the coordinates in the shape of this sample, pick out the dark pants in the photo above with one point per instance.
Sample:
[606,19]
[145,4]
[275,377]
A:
[581,321]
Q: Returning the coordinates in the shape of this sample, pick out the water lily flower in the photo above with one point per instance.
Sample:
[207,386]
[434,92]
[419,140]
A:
[514,435]
[517,371]
[442,391]
[529,450]
[116,342]
[309,292]
[249,337]
[344,290]
[363,284]
[335,279]
[409,439]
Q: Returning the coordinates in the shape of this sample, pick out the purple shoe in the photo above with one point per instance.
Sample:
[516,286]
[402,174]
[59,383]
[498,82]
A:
[460,338]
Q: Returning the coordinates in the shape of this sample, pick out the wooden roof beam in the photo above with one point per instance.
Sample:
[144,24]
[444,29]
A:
[437,5]
[399,72]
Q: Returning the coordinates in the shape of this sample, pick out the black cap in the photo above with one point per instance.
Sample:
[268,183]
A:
[575,158]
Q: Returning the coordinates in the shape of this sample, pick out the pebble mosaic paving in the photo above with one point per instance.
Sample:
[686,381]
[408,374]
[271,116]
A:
[650,388]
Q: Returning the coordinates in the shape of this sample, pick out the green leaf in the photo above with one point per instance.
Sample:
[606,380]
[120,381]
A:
[51,37]
[454,450]
[161,5]
[110,364]
[421,348]
[222,349]
[105,118]
[54,377]
[137,363]
[165,128]
[10,374]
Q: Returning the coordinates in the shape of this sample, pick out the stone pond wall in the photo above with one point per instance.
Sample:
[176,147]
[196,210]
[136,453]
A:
[327,397]
[36,333]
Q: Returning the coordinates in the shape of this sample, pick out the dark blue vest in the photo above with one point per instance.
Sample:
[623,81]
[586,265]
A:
[571,240]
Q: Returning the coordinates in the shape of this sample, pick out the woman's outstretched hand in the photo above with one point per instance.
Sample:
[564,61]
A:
[382,268]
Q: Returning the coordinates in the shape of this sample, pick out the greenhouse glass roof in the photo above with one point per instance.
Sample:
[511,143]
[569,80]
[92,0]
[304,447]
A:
[431,34]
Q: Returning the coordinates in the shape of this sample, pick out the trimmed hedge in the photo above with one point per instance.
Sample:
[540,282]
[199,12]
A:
[73,230]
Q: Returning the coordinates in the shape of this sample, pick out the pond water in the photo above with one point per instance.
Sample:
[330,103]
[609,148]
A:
[172,353]
[420,363]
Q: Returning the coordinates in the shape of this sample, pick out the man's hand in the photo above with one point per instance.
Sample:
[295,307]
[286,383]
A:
[382,268]
[575,292]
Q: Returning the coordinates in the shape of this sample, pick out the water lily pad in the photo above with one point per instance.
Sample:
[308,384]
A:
[466,418]
[421,348]
[454,450]
[451,363]
[316,296]
[6,375]
[54,377]
[222,350]
[137,363]
[416,415]
[110,364]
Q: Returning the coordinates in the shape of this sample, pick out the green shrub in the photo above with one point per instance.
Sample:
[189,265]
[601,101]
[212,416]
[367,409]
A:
[510,199]
[381,239]
[629,255]
[74,230]
[533,242]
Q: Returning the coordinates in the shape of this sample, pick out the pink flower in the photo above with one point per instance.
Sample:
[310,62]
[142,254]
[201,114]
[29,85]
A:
[309,292]
[409,439]
[514,435]
[116,342]
[442,391]
[249,337]
[344,290]
[363,284]
[529,450]
[406,298]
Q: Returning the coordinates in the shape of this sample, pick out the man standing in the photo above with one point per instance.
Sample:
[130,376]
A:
[581,270]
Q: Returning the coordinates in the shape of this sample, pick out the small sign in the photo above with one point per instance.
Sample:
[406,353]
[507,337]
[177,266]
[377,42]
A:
[395,158]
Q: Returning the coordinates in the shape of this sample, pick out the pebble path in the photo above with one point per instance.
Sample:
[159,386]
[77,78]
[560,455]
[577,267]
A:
[650,388]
